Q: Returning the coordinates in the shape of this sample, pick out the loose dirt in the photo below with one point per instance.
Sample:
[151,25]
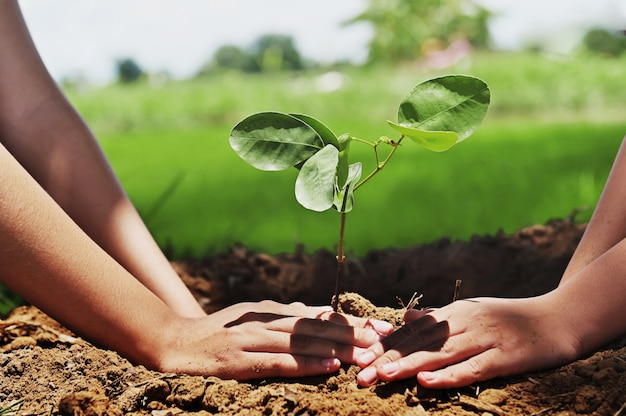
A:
[55,372]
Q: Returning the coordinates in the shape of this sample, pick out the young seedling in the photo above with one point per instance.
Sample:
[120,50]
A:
[436,114]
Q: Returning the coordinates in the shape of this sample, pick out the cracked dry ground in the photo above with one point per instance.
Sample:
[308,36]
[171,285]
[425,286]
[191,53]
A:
[55,372]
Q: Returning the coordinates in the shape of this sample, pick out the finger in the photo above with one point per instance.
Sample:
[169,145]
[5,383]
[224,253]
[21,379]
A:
[269,310]
[413,336]
[476,368]
[264,365]
[322,339]
[390,367]
[402,361]
[328,330]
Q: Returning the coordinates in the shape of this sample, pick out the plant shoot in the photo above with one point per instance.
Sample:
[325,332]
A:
[436,114]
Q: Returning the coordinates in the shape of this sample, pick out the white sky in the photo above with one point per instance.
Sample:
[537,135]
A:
[85,37]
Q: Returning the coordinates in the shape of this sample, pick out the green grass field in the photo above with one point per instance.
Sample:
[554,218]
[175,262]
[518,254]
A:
[544,150]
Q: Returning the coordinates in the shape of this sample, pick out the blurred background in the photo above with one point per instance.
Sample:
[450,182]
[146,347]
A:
[162,82]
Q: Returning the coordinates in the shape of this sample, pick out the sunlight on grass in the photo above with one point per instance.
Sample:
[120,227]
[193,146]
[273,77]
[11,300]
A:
[507,176]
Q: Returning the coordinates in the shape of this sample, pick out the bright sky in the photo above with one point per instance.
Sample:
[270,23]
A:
[86,37]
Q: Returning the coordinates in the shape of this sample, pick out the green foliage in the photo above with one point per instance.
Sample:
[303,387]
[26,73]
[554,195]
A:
[403,29]
[530,86]
[459,107]
[269,53]
[277,52]
[605,42]
[128,71]
[11,408]
[8,301]
[436,114]
[274,141]
[234,57]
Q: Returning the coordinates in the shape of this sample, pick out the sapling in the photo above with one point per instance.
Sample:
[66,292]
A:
[436,114]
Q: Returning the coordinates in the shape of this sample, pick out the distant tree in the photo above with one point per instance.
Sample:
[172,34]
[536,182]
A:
[128,71]
[276,52]
[233,57]
[405,29]
[267,53]
[605,42]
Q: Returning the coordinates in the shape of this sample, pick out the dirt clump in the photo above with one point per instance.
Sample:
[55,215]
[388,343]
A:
[54,372]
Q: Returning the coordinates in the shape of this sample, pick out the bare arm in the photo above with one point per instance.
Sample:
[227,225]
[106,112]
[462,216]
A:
[53,264]
[46,135]
[607,226]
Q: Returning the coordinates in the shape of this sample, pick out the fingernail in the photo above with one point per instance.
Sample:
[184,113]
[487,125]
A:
[390,368]
[368,376]
[382,327]
[330,363]
[428,376]
[366,358]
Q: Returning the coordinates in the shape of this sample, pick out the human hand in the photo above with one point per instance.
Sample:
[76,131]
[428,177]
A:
[472,340]
[269,339]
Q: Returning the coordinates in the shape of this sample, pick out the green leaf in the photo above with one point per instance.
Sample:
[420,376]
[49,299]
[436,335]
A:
[344,197]
[453,103]
[274,141]
[437,141]
[320,128]
[315,184]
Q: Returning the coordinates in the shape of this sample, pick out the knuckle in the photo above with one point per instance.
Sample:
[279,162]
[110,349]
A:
[449,347]
[326,315]
[387,358]
[297,304]
[476,368]
[267,305]
[320,326]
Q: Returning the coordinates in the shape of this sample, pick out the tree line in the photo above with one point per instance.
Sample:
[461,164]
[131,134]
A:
[403,30]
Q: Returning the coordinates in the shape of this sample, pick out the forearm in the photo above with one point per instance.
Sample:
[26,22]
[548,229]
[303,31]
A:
[58,150]
[607,226]
[592,301]
[52,263]
[46,135]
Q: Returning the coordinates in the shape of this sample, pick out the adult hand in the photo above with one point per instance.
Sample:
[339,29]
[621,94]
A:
[472,340]
[268,339]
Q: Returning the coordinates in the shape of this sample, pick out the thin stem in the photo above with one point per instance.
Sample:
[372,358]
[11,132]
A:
[457,290]
[340,255]
[379,165]
[340,259]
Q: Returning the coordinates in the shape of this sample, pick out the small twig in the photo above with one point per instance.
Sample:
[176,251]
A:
[413,301]
[457,289]
[534,381]
[480,405]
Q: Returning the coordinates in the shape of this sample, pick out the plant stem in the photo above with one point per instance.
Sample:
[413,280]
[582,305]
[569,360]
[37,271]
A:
[340,259]
[379,165]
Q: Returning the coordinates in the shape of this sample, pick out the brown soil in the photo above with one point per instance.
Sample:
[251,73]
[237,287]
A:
[56,373]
